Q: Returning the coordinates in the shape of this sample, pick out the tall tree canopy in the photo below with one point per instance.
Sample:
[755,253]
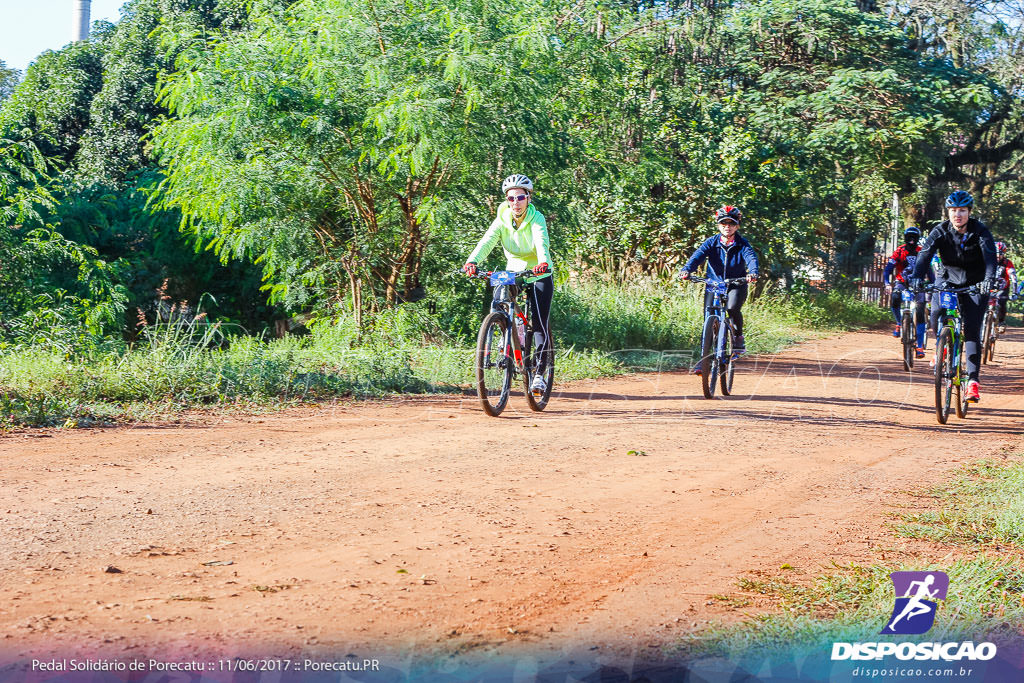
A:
[350,150]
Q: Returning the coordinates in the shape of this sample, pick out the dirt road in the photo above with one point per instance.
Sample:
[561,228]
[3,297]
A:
[421,524]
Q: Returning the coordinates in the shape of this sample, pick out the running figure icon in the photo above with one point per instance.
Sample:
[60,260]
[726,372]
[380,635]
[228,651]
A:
[916,606]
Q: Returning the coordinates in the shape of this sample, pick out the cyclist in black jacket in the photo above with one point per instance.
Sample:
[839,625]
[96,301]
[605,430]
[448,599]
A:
[968,255]
[729,256]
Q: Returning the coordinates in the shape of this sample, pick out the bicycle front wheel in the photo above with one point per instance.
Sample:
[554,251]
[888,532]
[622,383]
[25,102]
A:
[988,329]
[993,335]
[909,339]
[494,364]
[960,382]
[539,402]
[943,375]
[728,362]
[708,362]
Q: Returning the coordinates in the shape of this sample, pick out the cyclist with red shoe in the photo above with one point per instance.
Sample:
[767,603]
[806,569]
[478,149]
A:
[968,258]
[729,256]
[1006,274]
[897,271]
[523,233]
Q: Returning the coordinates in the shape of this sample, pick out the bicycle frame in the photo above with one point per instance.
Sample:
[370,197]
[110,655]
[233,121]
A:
[908,302]
[502,354]
[950,375]
[908,311]
[717,362]
[719,290]
[950,317]
[505,302]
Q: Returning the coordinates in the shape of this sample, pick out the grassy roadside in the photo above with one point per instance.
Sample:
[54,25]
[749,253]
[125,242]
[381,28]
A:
[975,529]
[601,329]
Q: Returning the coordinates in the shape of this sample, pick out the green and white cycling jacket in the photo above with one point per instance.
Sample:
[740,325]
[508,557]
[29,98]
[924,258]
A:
[525,247]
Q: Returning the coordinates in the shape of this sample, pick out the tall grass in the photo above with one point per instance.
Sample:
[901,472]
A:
[981,507]
[652,315]
[599,330]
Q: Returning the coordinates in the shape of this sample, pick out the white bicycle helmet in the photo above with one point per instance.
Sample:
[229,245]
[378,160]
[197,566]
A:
[517,180]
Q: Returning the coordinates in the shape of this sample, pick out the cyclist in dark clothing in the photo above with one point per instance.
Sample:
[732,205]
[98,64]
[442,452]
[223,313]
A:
[968,255]
[899,267]
[728,256]
[1006,276]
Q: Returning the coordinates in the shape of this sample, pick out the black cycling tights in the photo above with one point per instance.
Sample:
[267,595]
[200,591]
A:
[540,293]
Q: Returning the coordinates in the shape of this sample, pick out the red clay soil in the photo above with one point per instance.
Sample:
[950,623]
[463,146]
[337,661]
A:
[421,525]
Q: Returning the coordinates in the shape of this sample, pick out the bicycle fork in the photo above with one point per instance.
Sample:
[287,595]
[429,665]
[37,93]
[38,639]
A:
[954,355]
[723,330]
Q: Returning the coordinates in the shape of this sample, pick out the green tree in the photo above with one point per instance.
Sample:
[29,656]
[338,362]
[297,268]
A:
[46,278]
[320,142]
[52,101]
[8,80]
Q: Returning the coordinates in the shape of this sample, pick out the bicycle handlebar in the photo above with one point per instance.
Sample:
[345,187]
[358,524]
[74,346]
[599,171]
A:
[486,274]
[729,281]
[969,289]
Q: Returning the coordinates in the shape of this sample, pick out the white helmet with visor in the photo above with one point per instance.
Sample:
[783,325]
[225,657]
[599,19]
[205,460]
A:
[517,180]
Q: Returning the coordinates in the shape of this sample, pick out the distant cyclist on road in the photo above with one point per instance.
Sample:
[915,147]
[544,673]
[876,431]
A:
[968,258]
[523,233]
[897,271]
[728,256]
[1006,275]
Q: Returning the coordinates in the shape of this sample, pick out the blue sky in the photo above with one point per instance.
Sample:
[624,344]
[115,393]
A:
[29,27]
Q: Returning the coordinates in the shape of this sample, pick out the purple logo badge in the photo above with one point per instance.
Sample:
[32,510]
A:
[916,593]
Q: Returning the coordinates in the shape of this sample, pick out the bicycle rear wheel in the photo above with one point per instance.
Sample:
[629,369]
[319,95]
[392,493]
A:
[943,375]
[494,364]
[539,403]
[708,362]
[728,362]
[909,339]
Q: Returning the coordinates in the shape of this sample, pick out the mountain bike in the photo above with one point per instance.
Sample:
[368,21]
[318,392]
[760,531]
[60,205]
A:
[950,373]
[504,346]
[989,330]
[717,363]
[908,327]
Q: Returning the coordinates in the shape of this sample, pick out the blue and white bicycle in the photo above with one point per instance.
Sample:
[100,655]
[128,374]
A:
[717,362]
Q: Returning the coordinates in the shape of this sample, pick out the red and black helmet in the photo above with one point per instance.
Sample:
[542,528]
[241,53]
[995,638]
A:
[1000,248]
[728,213]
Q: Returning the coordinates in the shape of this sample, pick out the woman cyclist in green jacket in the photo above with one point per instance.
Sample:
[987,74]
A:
[523,234]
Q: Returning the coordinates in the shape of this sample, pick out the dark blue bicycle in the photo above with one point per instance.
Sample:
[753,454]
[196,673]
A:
[717,361]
